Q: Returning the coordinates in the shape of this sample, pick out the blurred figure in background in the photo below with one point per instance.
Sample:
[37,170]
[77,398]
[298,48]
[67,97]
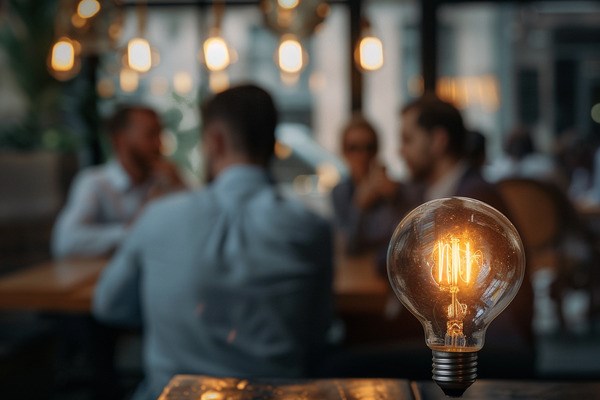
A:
[232,280]
[523,160]
[476,149]
[434,147]
[368,204]
[104,200]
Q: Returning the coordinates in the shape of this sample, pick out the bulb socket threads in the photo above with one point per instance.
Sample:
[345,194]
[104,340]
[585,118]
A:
[454,372]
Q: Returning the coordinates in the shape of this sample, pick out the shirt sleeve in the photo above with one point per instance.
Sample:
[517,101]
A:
[77,231]
[117,295]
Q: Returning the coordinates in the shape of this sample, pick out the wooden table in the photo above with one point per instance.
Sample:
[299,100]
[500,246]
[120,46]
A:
[63,286]
[68,286]
[190,387]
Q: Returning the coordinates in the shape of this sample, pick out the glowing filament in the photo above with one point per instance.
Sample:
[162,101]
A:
[290,56]
[139,55]
[63,55]
[454,265]
[455,261]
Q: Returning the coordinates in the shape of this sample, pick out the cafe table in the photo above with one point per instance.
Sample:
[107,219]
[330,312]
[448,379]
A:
[68,286]
[52,286]
[198,387]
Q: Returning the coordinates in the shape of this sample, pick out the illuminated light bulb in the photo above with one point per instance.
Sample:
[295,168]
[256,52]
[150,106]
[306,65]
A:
[88,8]
[63,55]
[139,55]
[370,53]
[216,53]
[288,4]
[455,263]
[290,56]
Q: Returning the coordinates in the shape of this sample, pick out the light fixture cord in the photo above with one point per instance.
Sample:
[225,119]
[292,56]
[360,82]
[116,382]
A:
[142,16]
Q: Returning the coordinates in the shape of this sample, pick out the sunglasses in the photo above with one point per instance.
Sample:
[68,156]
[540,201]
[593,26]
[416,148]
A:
[360,148]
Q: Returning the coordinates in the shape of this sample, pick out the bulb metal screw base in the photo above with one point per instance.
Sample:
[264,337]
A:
[454,372]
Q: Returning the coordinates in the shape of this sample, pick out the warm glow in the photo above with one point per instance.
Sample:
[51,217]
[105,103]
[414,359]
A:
[88,8]
[290,56]
[182,82]
[216,53]
[63,55]
[218,81]
[128,80]
[288,4]
[282,151]
[454,263]
[370,53]
[328,175]
[139,55]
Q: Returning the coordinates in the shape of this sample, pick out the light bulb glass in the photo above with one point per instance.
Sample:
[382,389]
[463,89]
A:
[63,55]
[455,263]
[370,53]
[288,4]
[216,53]
[139,55]
[290,56]
[88,8]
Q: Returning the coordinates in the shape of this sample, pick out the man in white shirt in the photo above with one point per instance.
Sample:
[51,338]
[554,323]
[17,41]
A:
[104,200]
[231,280]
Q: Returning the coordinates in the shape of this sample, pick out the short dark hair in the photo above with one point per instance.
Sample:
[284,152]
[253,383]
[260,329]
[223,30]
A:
[250,114]
[359,121]
[120,117]
[436,113]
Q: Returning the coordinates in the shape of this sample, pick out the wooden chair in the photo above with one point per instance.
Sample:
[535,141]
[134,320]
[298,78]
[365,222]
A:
[550,227]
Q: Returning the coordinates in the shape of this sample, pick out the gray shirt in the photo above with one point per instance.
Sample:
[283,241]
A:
[232,280]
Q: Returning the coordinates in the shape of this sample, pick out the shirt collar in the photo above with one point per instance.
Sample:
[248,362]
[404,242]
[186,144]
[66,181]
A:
[448,184]
[239,179]
[117,176]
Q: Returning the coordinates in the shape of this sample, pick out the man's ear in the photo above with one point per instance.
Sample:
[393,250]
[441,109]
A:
[439,141]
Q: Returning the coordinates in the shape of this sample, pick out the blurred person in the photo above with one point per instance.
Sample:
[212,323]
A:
[434,144]
[230,280]
[104,200]
[434,148]
[476,149]
[368,204]
[523,160]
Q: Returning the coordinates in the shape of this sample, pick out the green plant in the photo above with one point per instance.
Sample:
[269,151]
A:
[26,34]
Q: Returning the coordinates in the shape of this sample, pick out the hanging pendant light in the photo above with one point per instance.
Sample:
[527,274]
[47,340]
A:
[216,54]
[139,52]
[368,54]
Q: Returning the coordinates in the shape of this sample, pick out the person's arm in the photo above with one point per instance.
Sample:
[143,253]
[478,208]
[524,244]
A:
[77,231]
[347,217]
[117,295]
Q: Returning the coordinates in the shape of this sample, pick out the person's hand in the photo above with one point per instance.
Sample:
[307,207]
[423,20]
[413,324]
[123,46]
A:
[166,179]
[377,185]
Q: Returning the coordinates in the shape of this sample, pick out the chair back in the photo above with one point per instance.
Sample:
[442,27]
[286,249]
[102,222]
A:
[539,210]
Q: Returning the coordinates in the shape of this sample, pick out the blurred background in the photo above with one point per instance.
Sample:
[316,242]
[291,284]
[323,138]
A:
[507,65]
